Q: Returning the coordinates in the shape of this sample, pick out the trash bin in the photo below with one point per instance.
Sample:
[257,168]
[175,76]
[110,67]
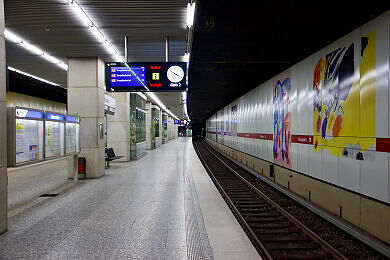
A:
[82,166]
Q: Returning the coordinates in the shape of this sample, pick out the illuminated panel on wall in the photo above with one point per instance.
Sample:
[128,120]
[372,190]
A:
[27,113]
[55,117]
[73,119]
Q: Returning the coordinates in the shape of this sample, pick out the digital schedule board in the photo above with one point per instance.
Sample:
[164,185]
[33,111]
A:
[146,76]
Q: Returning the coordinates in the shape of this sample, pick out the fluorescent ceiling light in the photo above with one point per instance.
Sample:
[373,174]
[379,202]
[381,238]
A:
[80,13]
[34,49]
[184,98]
[190,14]
[32,76]
[50,58]
[186,57]
[156,100]
[12,37]
[99,36]
[142,95]
[31,48]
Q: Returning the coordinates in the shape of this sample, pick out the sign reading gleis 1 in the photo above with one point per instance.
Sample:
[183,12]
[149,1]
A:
[146,76]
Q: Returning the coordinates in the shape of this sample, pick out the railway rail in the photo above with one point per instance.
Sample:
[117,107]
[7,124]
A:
[278,227]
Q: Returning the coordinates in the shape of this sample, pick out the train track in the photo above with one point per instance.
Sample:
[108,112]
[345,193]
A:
[278,227]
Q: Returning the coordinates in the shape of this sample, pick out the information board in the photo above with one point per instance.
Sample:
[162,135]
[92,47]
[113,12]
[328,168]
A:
[146,76]
[54,138]
[72,138]
[29,137]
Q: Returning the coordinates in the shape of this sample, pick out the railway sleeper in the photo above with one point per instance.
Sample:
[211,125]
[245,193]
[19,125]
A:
[266,219]
[276,225]
[268,231]
[282,237]
[285,245]
[265,209]
[249,206]
[297,256]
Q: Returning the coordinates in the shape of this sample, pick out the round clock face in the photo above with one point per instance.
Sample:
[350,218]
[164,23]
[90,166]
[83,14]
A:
[175,74]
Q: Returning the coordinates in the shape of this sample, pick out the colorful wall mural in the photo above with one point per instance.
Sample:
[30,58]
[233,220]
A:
[282,119]
[344,102]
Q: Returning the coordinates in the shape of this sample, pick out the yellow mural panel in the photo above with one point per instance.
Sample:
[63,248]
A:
[344,104]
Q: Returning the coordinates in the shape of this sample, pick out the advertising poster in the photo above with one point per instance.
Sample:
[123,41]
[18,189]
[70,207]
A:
[71,135]
[54,138]
[27,140]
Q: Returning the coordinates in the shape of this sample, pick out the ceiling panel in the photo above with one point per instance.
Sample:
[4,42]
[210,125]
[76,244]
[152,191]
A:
[51,25]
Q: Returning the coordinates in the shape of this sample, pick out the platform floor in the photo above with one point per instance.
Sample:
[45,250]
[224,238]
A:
[163,206]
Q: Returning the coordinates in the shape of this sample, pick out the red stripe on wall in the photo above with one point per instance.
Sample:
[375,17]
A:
[302,139]
[256,136]
[383,145]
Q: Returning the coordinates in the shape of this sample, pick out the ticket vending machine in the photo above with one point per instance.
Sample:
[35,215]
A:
[25,136]
[54,134]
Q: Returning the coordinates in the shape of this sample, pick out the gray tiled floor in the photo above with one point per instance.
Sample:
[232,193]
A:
[135,212]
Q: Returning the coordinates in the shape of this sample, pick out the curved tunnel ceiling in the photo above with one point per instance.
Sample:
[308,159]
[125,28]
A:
[240,44]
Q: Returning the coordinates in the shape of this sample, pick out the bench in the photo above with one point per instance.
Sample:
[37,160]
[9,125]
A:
[110,156]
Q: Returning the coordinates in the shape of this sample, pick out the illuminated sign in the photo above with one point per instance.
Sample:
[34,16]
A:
[26,113]
[146,76]
[55,117]
[73,119]
[177,122]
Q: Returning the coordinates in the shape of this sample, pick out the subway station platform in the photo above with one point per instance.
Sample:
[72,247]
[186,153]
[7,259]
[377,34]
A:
[163,206]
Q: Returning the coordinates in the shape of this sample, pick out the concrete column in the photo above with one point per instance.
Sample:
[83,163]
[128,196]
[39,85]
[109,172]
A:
[86,98]
[118,129]
[3,128]
[148,125]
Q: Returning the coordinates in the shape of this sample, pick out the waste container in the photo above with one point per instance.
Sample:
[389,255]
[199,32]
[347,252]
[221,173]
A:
[82,167]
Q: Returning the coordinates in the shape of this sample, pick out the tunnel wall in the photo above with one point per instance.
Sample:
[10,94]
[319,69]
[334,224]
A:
[325,119]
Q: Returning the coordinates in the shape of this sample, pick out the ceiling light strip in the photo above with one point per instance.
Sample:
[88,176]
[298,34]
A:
[33,49]
[156,100]
[83,16]
[32,76]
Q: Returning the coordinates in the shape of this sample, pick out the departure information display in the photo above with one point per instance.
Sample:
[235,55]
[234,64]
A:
[146,76]
[127,76]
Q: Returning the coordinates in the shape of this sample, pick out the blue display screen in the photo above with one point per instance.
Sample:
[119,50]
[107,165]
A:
[127,76]
[74,119]
[177,122]
[56,117]
[28,113]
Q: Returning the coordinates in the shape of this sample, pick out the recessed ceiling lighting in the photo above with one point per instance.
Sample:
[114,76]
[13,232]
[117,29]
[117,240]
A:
[47,30]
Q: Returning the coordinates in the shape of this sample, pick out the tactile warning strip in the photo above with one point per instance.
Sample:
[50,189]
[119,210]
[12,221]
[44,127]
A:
[198,246]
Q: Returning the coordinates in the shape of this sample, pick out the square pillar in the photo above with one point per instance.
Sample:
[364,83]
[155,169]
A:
[86,98]
[3,127]
[118,126]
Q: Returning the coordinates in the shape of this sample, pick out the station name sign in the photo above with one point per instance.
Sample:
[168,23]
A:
[146,76]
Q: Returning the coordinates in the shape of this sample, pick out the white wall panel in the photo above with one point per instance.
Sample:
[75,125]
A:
[369,176]
[375,176]
[349,173]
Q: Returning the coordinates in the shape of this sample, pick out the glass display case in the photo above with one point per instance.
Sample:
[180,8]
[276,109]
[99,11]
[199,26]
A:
[35,135]
[155,131]
[25,135]
[54,134]
[72,134]
[165,128]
